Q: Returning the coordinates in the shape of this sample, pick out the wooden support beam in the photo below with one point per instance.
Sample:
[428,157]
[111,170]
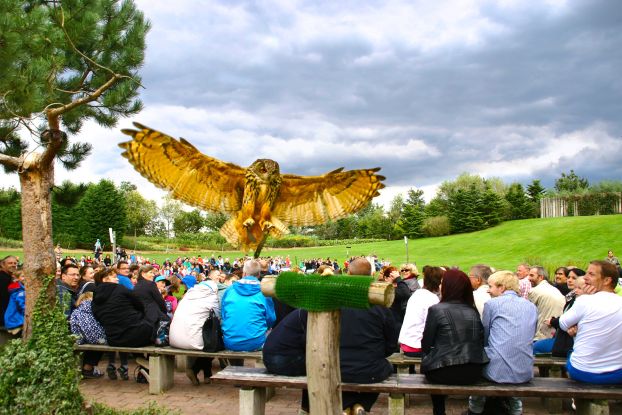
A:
[323,373]
[396,404]
[252,401]
[591,407]
[553,405]
[161,372]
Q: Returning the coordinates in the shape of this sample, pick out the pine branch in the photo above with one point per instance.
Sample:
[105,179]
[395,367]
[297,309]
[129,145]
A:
[9,161]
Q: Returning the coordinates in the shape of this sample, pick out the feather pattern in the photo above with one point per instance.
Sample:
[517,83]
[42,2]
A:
[260,200]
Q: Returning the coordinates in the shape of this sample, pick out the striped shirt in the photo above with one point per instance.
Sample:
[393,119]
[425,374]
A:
[524,286]
[509,326]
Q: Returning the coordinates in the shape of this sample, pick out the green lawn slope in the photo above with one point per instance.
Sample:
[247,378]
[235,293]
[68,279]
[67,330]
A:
[550,242]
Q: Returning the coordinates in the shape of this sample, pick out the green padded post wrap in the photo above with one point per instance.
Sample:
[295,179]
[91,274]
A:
[314,292]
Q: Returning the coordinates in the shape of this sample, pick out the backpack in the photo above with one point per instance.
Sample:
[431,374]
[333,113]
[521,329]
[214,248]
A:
[212,334]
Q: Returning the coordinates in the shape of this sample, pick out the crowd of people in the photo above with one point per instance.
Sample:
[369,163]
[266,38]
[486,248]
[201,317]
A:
[465,325]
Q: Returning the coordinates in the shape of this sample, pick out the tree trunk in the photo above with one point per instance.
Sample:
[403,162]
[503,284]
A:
[39,261]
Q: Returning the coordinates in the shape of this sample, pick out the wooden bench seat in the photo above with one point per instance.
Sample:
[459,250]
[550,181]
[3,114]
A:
[161,361]
[253,382]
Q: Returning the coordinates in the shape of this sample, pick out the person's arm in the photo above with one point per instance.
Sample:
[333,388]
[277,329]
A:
[270,313]
[487,321]
[573,315]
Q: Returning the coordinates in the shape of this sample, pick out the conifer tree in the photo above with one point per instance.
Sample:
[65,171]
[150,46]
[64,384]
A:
[64,63]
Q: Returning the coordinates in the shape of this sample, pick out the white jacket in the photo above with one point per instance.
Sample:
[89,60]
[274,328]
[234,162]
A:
[186,330]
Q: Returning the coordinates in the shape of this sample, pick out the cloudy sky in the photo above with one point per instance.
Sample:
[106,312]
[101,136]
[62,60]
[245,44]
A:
[425,90]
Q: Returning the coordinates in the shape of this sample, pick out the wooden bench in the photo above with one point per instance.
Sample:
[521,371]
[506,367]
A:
[254,381]
[161,361]
[547,365]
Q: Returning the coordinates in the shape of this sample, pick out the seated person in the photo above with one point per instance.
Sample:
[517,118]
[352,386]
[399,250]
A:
[84,325]
[121,313]
[596,322]
[14,314]
[246,313]
[453,338]
[507,338]
[187,325]
[148,292]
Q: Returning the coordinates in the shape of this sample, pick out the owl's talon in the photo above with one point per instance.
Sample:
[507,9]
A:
[267,226]
[248,223]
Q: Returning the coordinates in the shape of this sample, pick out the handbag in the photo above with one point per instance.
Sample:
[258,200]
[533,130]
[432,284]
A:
[212,334]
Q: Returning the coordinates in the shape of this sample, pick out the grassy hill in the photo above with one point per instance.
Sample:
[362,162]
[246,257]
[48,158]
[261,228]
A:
[549,242]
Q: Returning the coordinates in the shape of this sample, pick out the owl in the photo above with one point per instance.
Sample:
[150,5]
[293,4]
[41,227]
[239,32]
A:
[259,199]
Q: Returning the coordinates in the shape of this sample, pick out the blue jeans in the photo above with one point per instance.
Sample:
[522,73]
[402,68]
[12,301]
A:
[477,403]
[607,378]
[543,346]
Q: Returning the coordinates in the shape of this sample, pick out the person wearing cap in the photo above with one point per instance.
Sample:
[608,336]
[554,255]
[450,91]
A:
[149,294]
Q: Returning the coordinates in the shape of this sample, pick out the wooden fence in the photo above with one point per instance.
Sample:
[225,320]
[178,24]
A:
[554,207]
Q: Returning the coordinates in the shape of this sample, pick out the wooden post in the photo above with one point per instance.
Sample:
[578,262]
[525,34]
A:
[252,401]
[322,349]
[553,405]
[592,407]
[323,374]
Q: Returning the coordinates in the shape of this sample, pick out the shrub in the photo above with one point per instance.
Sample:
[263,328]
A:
[40,376]
[436,226]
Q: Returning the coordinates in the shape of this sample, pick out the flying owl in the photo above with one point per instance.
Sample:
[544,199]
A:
[259,199]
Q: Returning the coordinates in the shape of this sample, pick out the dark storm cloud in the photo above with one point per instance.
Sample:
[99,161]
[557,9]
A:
[426,91]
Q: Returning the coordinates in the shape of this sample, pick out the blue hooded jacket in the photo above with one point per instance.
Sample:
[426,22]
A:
[246,316]
[14,314]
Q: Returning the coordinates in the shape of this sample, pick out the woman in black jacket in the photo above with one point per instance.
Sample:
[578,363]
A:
[402,295]
[120,312]
[453,338]
[147,291]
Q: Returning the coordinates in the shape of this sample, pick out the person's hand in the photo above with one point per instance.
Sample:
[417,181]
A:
[572,331]
[547,321]
[588,289]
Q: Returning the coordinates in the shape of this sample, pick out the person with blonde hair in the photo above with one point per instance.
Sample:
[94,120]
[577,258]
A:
[410,275]
[509,326]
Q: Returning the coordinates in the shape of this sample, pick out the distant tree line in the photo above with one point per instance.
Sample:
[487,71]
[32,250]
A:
[83,213]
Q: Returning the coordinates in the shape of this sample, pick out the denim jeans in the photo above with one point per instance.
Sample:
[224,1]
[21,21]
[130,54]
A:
[477,403]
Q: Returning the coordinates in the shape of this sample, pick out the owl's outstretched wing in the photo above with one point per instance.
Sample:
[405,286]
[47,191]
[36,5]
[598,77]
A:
[311,200]
[177,166]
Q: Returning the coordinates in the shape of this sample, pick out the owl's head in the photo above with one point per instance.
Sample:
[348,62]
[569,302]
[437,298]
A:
[265,169]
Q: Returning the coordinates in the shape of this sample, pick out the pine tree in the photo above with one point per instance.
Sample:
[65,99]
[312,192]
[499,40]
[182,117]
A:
[414,214]
[535,191]
[102,207]
[63,63]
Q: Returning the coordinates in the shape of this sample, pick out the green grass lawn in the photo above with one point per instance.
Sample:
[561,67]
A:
[549,242]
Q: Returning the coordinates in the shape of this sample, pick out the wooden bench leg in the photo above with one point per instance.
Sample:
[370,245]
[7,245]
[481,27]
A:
[252,401]
[181,363]
[591,407]
[553,405]
[396,404]
[269,390]
[404,370]
[161,371]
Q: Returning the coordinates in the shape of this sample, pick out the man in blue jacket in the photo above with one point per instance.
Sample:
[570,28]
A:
[246,313]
